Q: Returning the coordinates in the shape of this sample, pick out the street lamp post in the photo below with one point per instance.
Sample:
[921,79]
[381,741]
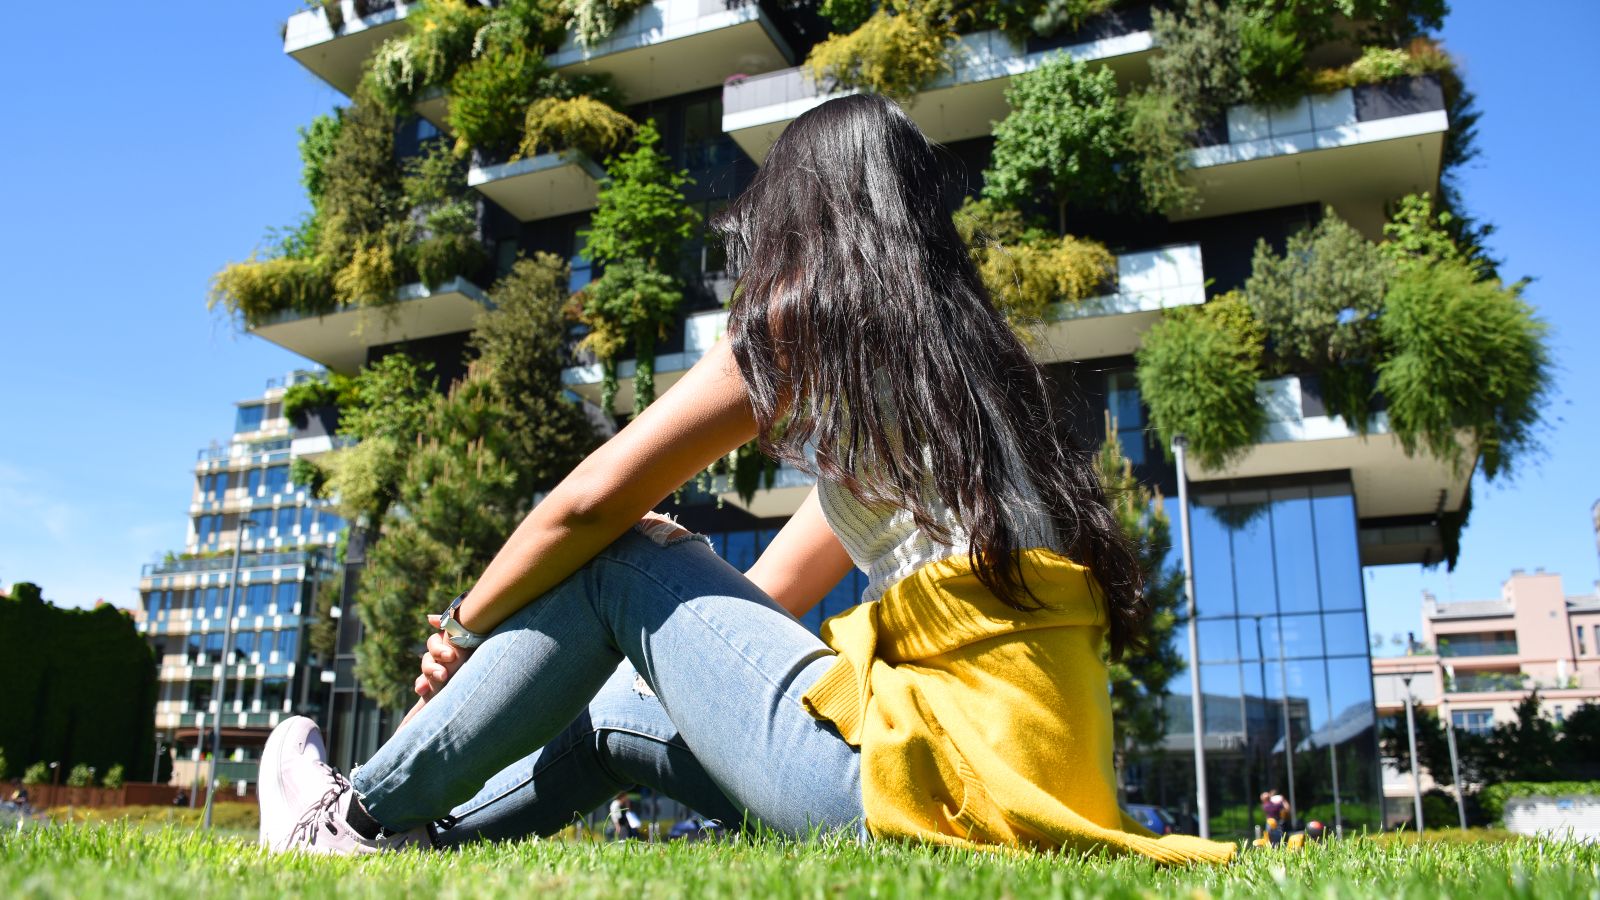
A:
[222,677]
[1180,447]
[1411,737]
[155,768]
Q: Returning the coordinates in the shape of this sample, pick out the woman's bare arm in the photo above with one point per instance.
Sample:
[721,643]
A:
[804,561]
[701,418]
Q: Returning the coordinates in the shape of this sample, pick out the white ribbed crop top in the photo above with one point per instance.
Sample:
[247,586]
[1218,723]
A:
[886,544]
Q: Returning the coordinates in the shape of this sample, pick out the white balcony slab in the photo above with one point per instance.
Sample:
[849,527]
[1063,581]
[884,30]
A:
[338,56]
[340,339]
[1148,282]
[538,187]
[1317,150]
[671,47]
[962,104]
[1387,482]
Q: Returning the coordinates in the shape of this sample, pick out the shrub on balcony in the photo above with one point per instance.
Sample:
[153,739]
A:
[592,21]
[438,40]
[1378,64]
[1198,369]
[1027,269]
[577,123]
[1025,18]
[1468,355]
[488,97]
[1065,136]
[1320,302]
[259,289]
[896,52]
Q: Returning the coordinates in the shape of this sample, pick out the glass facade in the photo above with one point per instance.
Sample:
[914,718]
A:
[1284,667]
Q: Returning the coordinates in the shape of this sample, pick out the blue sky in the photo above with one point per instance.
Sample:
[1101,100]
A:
[148,148]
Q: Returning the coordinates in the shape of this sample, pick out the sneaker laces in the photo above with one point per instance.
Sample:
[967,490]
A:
[323,812]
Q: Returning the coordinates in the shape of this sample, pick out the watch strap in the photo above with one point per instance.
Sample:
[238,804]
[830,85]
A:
[456,633]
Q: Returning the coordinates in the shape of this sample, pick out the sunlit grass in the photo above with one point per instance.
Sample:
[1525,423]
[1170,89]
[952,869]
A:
[126,859]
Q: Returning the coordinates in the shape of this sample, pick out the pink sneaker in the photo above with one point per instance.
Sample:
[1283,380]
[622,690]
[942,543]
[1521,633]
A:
[304,800]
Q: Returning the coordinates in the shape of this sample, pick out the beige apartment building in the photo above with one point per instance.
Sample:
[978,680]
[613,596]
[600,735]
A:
[1476,660]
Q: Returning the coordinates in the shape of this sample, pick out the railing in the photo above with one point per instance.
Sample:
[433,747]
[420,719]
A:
[1484,682]
[220,563]
[262,451]
[1501,647]
[980,56]
[1315,113]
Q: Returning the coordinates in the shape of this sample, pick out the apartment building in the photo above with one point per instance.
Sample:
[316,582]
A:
[242,500]
[1281,533]
[1476,660]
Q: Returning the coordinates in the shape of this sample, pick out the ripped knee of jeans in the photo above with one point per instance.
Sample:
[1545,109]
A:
[665,530]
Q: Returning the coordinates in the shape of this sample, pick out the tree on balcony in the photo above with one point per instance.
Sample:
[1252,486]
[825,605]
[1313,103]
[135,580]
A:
[636,231]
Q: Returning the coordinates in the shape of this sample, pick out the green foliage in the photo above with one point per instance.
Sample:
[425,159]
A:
[1376,64]
[438,40]
[520,352]
[845,15]
[1139,680]
[1026,279]
[631,300]
[442,257]
[1065,135]
[1272,52]
[1433,747]
[578,123]
[114,777]
[80,776]
[383,409]
[1320,301]
[307,396]
[38,773]
[489,96]
[592,21]
[1026,18]
[641,213]
[896,52]
[1200,63]
[363,205]
[309,475]
[1417,235]
[323,635]
[1158,139]
[259,289]
[317,141]
[1198,369]
[1468,356]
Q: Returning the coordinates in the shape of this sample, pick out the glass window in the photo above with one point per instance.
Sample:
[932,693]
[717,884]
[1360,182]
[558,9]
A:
[287,515]
[308,515]
[329,522]
[213,645]
[191,648]
[1294,637]
[741,552]
[1213,561]
[288,643]
[253,483]
[244,644]
[277,480]
[1345,633]
[256,598]
[1219,640]
[1248,519]
[582,268]
[1122,401]
[274,693]
[152,603]
[1333,512]
[249,418]
[1583,649]
[1294,550]
[1473,721]
[288,592]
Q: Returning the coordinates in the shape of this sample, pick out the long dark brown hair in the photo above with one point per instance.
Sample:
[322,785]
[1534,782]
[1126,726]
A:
[860,324]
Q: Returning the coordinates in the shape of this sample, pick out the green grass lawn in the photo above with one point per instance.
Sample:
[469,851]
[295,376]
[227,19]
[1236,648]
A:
[123,859]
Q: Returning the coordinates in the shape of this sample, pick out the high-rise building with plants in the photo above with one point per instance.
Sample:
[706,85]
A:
[1229,221]
[245,509]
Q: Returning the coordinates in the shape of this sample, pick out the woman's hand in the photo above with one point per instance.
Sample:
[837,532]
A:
[439,663]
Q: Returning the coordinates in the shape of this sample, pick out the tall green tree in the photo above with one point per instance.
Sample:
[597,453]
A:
[636,233]
[1139,681]
[475,460]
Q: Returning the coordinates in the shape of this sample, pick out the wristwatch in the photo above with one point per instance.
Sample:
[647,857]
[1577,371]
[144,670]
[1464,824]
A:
[456,633]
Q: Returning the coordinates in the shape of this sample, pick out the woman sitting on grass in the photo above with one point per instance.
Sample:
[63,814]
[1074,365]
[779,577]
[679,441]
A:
[963,702]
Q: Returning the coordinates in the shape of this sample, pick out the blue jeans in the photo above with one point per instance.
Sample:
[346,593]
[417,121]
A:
[656,664]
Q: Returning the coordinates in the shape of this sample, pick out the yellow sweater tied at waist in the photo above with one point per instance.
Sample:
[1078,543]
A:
[984,725]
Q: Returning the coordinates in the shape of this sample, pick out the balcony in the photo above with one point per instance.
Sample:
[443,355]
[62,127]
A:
[1301,437]
[1356,148]
[538,187]
[1111,324]
[1486,683]
[701,331]
[340,339]
[671,47]
[336,55]
[225,563]
[959,105]
[1465,646]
